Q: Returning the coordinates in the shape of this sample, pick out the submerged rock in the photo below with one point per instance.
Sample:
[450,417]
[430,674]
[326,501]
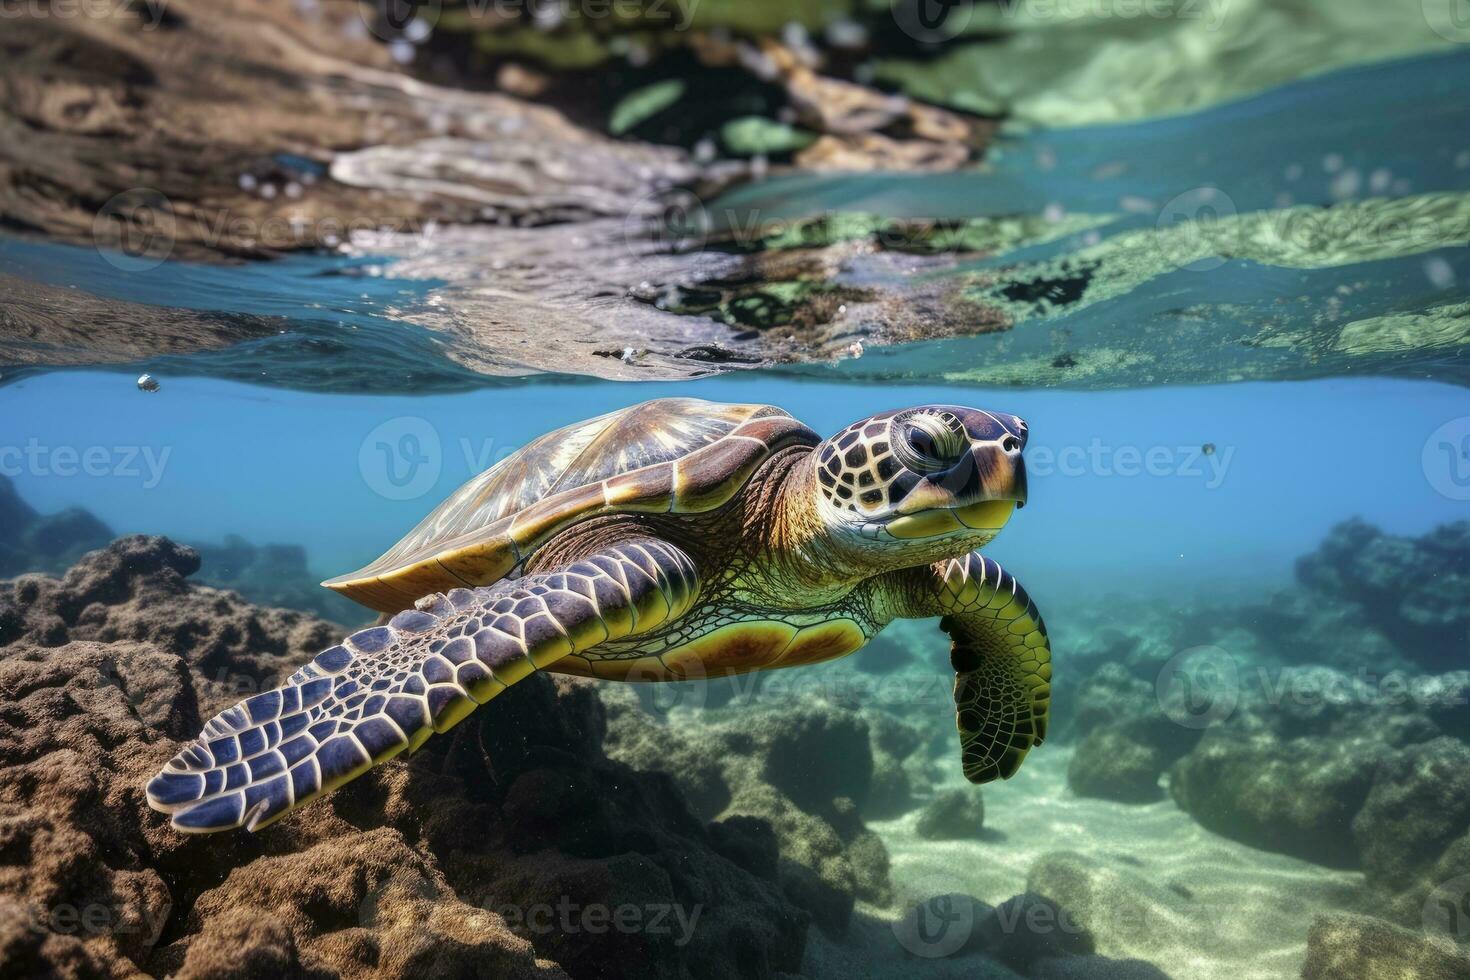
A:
[1297,797]
[806,770]
[1415,590]
[1124,762]
[511,847]
[1419,805]
[954,814]
[1351,947]
[268,575]
[31,542]
[1030,928]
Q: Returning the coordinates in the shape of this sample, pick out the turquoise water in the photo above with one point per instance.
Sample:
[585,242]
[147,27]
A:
[1289,461]
[1230,333]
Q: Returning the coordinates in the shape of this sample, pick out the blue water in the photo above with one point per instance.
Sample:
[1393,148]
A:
[349,421]
[282,466]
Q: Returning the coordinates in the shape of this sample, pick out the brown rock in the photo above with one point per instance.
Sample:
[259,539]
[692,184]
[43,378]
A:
[512,847]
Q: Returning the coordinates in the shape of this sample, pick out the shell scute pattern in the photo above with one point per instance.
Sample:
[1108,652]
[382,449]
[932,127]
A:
[678,454]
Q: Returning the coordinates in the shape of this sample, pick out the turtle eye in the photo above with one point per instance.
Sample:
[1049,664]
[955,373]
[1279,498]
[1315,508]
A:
[921,442]
[930,441]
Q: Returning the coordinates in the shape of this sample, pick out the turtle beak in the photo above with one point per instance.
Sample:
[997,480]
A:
[996,483]
[980,493]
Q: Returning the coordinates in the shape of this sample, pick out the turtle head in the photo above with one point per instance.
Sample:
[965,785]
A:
[921,483]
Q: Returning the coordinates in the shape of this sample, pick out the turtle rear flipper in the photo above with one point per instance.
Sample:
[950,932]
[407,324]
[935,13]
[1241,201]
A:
[388,688]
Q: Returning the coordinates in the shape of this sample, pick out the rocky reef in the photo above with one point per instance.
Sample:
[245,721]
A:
[802,772]
[513,847]
[569,832]
[1325,722]
[32,542]
[268,575]
[1415,591]
[745,830]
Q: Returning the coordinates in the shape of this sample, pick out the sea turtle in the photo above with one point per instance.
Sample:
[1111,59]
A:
[672,540]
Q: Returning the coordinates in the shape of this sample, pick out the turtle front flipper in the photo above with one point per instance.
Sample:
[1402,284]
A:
[1001,657]
[388,688]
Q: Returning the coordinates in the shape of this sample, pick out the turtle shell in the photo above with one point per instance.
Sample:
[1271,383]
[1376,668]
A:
[671,455]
